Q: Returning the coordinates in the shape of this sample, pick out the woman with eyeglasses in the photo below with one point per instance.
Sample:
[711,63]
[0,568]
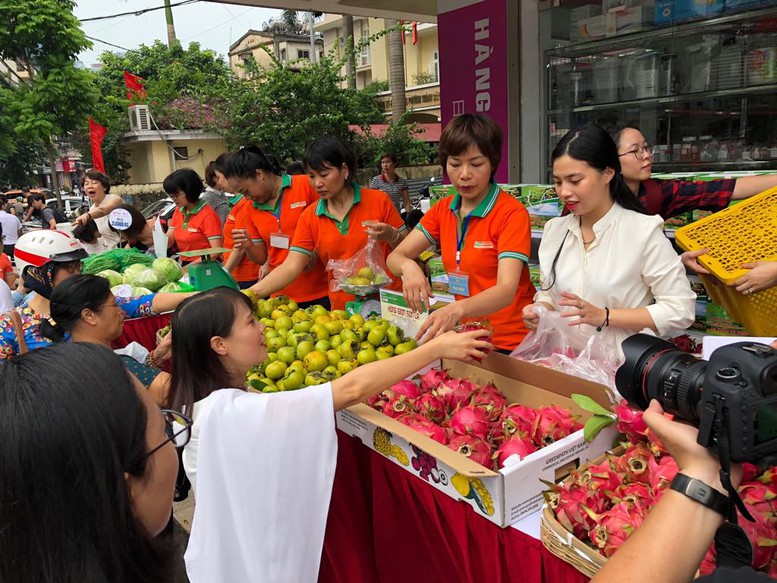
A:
[262,465]
[97,187]
[673,197]
[88,469]
[84,310]
[195,225]
[607,265]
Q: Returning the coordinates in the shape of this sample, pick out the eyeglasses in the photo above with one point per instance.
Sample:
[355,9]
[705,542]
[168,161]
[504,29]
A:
[640,152]
[179,430]
[175,195]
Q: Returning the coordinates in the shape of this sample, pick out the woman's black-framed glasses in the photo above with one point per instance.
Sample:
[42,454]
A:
[178,428]
[640,152]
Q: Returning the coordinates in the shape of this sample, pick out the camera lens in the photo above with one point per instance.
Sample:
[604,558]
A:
[655,369]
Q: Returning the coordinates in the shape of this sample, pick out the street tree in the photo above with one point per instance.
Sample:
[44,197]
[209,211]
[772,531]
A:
[44,38]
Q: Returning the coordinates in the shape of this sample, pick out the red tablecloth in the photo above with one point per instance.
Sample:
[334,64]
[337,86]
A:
[386,525]
[142,330]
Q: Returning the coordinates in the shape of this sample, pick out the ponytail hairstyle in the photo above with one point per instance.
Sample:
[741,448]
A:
[244,162]
[330,152]
[69,299]
[590,143]
[197,369]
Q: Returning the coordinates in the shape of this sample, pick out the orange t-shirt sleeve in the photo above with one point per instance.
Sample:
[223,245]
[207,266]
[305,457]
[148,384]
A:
[392,216]
[430,222]
[244,219]
[177,220]
[211,225]
[515,235]
[304,240]
[5,264]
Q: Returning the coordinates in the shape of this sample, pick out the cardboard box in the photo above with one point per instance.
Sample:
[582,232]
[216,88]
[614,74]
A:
[506,496]
[630,19]
[672,11]
[593,28]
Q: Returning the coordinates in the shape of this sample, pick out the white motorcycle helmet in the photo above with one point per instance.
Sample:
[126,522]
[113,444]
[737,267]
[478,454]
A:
[43,245]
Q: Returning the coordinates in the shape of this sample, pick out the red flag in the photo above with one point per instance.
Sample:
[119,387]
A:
[402,25]
[96,135]
[414,30]
[135,86]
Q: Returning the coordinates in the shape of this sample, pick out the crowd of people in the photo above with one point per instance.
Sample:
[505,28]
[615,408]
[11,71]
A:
[103,426]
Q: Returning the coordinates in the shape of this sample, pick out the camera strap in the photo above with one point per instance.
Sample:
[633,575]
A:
[732,547]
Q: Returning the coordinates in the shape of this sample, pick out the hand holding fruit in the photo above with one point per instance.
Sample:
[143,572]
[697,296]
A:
[465,346]
[531,316]
[440,321]
[587,313]
[415,287]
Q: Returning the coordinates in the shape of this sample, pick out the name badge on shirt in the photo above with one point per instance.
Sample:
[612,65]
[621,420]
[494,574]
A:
[192,229]
[279,241]
[298,204]
[458,283]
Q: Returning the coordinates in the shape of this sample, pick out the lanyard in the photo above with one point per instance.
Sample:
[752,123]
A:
[276,212]
[462,232]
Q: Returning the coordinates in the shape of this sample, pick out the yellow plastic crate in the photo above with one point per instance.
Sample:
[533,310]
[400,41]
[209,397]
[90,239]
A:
[742,233]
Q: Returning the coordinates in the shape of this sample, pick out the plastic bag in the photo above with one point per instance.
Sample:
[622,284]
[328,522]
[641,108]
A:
[557,345]
[364,272]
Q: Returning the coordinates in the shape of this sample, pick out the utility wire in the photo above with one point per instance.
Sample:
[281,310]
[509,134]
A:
[137,12]
[105,42]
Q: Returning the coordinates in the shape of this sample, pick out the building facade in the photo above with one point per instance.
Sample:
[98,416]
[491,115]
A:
[259,45]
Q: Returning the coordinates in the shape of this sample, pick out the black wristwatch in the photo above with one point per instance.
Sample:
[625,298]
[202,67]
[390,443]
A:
[701,493]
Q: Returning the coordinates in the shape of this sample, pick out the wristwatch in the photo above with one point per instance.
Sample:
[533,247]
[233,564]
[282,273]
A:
[701,493]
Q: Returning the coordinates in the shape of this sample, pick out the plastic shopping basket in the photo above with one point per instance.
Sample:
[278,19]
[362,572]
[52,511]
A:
[743,233]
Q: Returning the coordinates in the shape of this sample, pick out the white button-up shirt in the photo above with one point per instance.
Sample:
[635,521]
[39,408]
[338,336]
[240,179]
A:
[630,264]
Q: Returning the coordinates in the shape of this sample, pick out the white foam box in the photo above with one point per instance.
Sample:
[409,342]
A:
[506,496]
[630,19]
[593,28]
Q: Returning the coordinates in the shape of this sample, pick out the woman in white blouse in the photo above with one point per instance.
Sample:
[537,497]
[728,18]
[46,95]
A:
[606,265]
[97,187]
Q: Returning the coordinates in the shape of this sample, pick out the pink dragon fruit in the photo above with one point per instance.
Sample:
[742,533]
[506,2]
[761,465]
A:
[613,527]
[553,423]
[633,464]
[431,406]
[602,477]
[749,473]
[568,501]
[470,420]
[407,389]
[661,473]
[377,401]
[472,447]
[761,536]
[518,420]
[630,422]
[709,564]
[490,399]
[455,392]
[636,495]
[397,406]
[422,425]
[520,446]
[433,379]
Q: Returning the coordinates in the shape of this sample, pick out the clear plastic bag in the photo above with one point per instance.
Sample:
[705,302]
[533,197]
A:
[557,345]
[362,273]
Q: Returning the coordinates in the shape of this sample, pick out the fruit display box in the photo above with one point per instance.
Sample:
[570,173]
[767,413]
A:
[514,492]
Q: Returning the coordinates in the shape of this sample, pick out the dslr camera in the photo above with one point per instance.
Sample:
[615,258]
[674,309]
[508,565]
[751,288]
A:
[731,397]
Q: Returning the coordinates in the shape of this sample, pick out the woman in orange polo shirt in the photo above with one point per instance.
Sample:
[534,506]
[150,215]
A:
[484,236]
[274,202]
[194,225]
[338,225]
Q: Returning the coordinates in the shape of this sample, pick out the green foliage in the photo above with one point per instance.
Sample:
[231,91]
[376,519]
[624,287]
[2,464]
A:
[401,140]
[423,77]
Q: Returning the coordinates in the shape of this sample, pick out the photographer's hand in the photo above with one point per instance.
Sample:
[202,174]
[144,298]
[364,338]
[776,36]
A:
[672,541]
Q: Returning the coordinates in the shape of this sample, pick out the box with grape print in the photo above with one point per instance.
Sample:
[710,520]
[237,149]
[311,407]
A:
[483,434]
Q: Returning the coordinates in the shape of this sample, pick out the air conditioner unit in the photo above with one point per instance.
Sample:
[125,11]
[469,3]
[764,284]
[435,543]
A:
[140,118]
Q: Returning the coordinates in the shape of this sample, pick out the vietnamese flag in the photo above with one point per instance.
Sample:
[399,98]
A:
[96,135]
[135,86]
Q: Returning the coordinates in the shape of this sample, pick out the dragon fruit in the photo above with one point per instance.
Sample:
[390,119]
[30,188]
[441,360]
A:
[490,399]
[613,527]
[472,447]
[397,406]
[473,325]
[431,406]
[553,423]
[470,420]
[407,389]
[630,422]
[601,477]
[433,379]
[661,473]
[518,419]
[569,502]
[377,401]
[633,464]
[422,425]
[638,496]
[455,392]
[520,446]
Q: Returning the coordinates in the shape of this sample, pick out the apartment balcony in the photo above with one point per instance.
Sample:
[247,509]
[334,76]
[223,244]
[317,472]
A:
[424,97]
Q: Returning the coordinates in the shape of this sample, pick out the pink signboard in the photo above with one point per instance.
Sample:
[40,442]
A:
[473,65]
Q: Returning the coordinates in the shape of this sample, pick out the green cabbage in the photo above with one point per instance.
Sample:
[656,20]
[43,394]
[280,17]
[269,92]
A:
[147,278]
[171,287]
[140,291]
[169,268]
[113,277]
[133,269]
[122,291]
